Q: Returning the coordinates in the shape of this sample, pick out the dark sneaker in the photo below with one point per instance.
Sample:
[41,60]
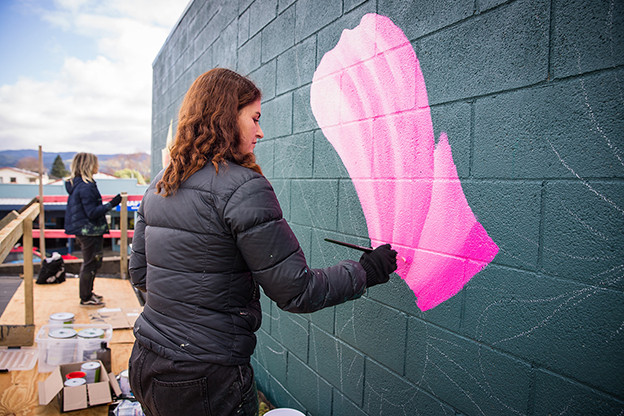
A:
[98,297]
[92,302]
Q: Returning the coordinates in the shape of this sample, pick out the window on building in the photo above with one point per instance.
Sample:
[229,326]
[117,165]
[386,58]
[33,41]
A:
[13,180]
[32,180]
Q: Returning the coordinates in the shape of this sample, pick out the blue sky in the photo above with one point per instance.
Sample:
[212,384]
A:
[76,74]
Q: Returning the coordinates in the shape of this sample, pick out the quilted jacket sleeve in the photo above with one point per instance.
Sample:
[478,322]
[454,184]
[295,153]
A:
[275,258]
[138,262]
[92,202]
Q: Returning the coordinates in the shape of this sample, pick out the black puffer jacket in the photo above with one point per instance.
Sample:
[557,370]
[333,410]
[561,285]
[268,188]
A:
[201,254]
[85,214]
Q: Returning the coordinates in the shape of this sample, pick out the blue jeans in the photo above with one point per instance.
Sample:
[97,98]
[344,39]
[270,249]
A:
[165,387]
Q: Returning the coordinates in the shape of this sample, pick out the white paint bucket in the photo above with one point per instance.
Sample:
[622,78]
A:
[61,350]
[92,370]
[61,318]
[75,382]
[89,343]
[124,383]
[284,412]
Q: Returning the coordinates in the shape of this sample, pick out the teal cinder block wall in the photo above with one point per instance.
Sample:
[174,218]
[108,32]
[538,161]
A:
[531,95]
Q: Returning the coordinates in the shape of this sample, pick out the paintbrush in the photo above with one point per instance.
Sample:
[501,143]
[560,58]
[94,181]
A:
[342,243]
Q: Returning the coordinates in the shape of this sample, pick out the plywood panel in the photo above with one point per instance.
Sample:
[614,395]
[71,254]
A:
[19,388]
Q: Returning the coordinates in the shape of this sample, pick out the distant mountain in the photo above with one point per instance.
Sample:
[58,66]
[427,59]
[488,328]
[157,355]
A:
[108,163]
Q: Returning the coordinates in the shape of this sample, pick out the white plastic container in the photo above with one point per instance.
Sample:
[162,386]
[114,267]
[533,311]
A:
[57,351]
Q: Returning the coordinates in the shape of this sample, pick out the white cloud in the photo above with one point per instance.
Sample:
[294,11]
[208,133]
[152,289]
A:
[101,105]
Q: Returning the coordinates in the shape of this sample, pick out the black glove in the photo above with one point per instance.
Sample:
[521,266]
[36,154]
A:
[115,201]
[378,264]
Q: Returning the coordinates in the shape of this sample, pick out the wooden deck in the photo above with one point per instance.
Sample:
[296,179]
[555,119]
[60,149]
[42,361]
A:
[19,389]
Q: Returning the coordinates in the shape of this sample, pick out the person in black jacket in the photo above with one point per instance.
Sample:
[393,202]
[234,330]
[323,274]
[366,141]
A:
[85,217]
[209,233]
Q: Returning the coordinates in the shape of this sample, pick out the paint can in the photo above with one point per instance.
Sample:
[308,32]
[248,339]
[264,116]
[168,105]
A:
[61,350]
[76,374]
[75,382]
[124,383]
[61,318]
[92,370]
[89,343]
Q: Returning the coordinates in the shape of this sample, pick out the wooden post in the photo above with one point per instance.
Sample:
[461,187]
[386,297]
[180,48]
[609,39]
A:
[123,243]
[28,270]
[41,212]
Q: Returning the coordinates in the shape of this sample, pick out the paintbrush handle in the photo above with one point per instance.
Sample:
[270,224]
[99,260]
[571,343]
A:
[354,246]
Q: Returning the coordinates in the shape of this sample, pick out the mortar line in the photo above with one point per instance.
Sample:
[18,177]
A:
[549,74]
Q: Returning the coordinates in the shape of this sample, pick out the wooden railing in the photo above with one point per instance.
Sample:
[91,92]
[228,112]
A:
[20,225]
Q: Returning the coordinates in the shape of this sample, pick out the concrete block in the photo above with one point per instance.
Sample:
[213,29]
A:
[454,119]
[264,78]
[325,254]
[284,4]
[225,51]
[339,364]
[292,331]
[375,329]
[329,36]
[274,390]
[567,327]
[512,52]
[313,15]
[557,395]
[282,191]
[277,116]
[272,356]
[351,4]
[267,306]
[309,388]
[418,18]
[261,14]
[583,236]
[587,36]
[265,156]
[510,213]
[279,35]
[567,129]
[243,28]
[296,66]
[388,394]
[303,119]
[343,406]
[351,219]
[249,56]
[466,374]
[304,236]
[314,203]
[293,156]
[398,295]
[324,319]
[484,5]
[243,5]
[327,162]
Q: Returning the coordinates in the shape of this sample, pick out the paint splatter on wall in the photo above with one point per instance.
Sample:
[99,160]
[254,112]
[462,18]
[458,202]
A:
[369,97]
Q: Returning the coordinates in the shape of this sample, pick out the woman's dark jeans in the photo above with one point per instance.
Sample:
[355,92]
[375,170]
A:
[174,388]
[92,248]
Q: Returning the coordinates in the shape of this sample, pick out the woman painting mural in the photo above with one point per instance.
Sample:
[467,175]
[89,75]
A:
[210,232]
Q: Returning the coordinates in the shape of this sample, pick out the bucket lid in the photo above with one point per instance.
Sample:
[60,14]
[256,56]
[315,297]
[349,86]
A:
[62,316]
[91,333]
[62,333]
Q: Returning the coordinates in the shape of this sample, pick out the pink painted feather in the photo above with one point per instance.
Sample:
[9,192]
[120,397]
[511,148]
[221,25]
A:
[369,97]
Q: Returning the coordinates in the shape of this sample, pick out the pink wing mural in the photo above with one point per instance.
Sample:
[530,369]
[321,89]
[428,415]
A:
[368,95]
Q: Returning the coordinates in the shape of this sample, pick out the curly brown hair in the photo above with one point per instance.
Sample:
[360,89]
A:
[208,127]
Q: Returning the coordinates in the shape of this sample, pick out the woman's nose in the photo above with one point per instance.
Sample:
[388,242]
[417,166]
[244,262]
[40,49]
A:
[259,133]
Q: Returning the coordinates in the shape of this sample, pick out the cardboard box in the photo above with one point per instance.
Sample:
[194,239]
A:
[118,318]
[81,397]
